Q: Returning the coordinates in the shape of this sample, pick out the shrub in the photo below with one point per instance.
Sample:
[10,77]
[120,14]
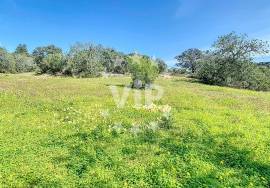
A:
[45,57]
[23,63]
[162,66]
[22,49]
[246,75]
[7,63]
[231,63]
[121,66]
[144,71]
[85,60]
[55,63]
[178,71]
[15,62]
[259,79]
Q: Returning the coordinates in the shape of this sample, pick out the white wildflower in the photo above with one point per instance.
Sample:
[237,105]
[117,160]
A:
[135,129]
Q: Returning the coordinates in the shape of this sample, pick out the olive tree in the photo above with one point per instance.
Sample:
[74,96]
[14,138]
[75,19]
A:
[47,57]
[162,66]
[7,63]
[85,60]
[23,63]
[143,70]
[189,59]
[231,63]
[239,48]
[21,49]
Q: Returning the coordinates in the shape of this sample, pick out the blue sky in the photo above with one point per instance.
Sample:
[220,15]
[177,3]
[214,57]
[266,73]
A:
[160,28]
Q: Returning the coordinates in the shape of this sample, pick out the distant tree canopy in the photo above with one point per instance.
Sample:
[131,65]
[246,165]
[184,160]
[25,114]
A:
[82,60]
[239,48]
[189,58]
[162,66]
[23,63]
[49,59]
[7,63]
[265,64]
[15,62]
[85,60]
[22,49]
[230,63]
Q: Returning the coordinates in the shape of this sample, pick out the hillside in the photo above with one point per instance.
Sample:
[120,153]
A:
[68,132]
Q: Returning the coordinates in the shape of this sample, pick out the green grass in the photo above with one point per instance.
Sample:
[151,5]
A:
[53,134]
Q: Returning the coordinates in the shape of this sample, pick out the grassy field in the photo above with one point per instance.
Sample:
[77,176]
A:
[67,132]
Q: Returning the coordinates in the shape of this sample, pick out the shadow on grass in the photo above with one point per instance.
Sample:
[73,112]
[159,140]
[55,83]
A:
[173,149]
[187,79]
[220,154]
[119,85]
[83,151]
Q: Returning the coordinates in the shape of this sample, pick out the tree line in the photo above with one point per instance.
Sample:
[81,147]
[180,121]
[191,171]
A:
[230,62]
[82,60]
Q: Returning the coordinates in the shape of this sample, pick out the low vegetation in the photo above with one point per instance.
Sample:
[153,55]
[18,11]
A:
[67,132]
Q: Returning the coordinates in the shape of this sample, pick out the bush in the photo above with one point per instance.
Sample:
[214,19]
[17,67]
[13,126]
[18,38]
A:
[23,63]
[216,71]
[48,59]
[7,62]
[260,79]
[144,71]
[178,71]
[121,66]
[15,62]
[162,66]
[55,63]
[231,63]
[85,60]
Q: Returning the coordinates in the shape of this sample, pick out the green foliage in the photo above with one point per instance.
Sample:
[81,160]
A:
[55,62]
[259,78]
[7,63]
[189,58]
[114,61]
[143,69]
[23,63]
[121,67]
[22,50]
[15,63]
[230,64]
[264,64]
[238,47]
[246,75]
[85,60]
[82,60]
[162,66]
[44,58]
[178,71]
